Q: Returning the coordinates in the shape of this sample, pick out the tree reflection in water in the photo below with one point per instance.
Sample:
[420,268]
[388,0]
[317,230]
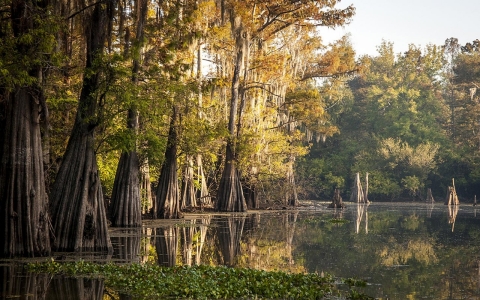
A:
[166,242]
[126,244]
[201,234]
[452,215]
[187,233]
[289,221]
[362,209]
[230,231]
[62,287]
[430,207]
[16,283]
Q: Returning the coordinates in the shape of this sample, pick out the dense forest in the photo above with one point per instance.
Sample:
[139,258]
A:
[113,109]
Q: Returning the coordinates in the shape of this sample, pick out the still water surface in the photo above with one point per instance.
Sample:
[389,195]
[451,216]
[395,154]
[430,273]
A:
[403,250]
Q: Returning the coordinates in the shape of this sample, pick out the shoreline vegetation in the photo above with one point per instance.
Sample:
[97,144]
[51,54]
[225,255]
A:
[142,281]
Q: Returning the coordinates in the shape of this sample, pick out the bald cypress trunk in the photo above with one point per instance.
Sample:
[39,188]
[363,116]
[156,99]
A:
[77,204]
[230,194]
[167,204]
[23,201]
[24,217]
[125,207]
[125,210]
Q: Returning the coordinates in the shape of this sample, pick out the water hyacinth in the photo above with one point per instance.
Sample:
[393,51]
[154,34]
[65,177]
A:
[143,281]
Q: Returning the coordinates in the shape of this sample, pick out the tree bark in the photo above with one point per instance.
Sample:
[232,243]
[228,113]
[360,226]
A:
[167,204]
[230,196]
[24,217]
[25,221]
[291,197]
[125,207]
[251,197]
[77,204]
[125,210]
[146,188]
[202,194]
[188,186]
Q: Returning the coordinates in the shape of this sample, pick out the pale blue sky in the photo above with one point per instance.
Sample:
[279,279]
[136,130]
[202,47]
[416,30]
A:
[404,22]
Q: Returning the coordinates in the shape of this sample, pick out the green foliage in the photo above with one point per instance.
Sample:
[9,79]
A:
[318,178]
[107,166]
[395,127]
[198,282]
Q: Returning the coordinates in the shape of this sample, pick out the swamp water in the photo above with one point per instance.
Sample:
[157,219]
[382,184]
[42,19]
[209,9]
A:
[403,250]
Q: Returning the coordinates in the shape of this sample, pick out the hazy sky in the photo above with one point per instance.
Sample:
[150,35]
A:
[404,22]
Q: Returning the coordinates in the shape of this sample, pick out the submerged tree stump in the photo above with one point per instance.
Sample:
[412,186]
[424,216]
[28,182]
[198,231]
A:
[430,196]
[452,198]
[337,201]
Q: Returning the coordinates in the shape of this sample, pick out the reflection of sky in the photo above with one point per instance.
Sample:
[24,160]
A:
[417,22]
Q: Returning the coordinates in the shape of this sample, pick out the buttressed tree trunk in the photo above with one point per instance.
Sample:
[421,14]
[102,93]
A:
[230,196]
[24,218]
[167,204]
[77,204]
[125,207]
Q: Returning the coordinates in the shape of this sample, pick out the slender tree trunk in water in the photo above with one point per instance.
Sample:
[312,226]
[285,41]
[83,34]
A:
[145,188]
[251,196]
[202,193]
[230,196]
[167,204]
[24,217]
[125,207]
[291,197]
[188,186]
[77,204]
